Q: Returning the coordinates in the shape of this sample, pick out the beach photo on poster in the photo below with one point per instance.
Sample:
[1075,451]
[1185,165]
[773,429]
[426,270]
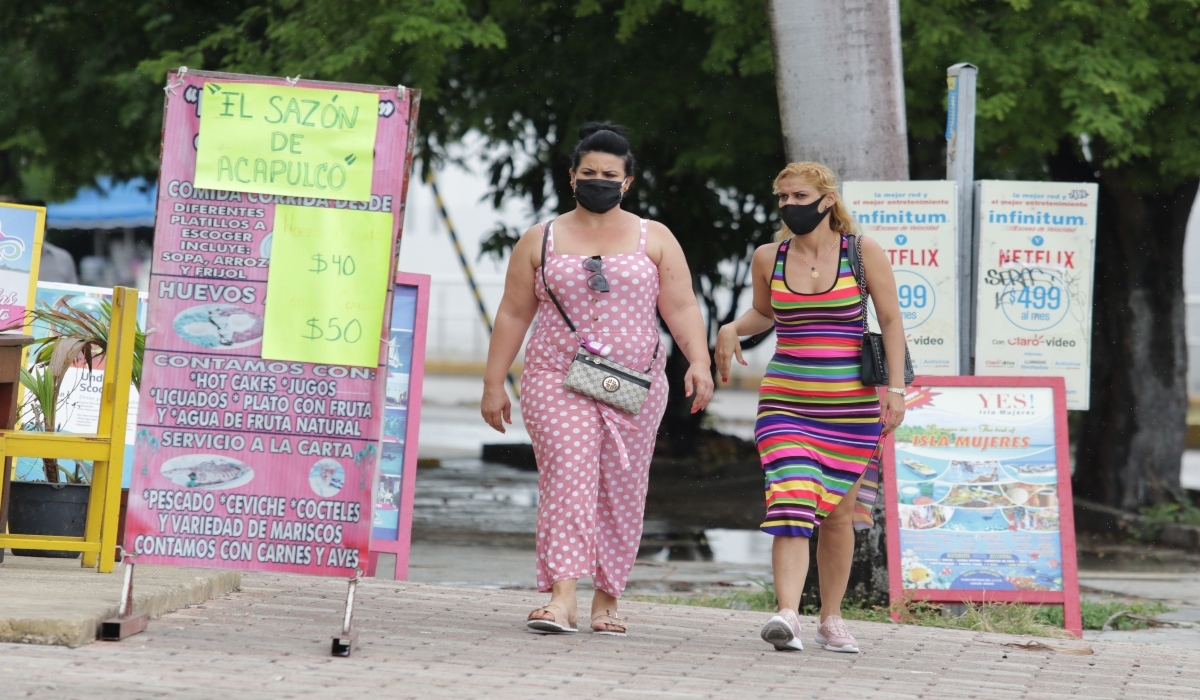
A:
[400,350]
[922,493]
[327,477]
[395,421]
[1033,519]
[392,459]
[970,496]
[978,520]
[207,471]
[924,517]
[218,326]
[397,390]
[974,472]
[921,467]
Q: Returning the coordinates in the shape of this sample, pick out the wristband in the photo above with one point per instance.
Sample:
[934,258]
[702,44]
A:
[894,390]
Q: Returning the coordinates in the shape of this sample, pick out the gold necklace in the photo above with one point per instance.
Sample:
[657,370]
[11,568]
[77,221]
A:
[813,267]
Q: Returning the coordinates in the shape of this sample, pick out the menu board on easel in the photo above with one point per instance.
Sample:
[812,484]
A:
[978,494]
[280,207]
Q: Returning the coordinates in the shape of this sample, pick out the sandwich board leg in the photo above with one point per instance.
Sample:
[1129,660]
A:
[126,622]
[345,643]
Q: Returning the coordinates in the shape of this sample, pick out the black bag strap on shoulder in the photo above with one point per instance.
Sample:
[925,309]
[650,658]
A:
[554,299]
[549,293]
[854,253]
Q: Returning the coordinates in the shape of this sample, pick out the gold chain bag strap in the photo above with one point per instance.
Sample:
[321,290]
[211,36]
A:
[598,377]
[874,361]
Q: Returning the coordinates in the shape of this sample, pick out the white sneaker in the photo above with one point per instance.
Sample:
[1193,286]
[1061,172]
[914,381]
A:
[783,631]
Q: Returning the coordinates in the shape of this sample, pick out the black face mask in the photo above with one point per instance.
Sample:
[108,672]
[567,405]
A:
[598,196]
[801,219]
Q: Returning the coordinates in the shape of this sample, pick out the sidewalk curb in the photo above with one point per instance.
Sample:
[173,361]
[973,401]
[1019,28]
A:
[79,628]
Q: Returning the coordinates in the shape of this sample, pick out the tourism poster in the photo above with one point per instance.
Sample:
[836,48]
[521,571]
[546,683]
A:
[392,517]
[79,395]
[1036,243]
[979,494]
[244,461]
[21,231]
[916,223]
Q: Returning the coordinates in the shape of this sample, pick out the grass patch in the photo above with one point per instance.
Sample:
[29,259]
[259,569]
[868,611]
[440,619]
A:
[1004,618]
[1139,615]
[1185,513]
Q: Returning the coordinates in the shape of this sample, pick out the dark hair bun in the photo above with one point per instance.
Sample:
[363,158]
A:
[592,127]
[604,137]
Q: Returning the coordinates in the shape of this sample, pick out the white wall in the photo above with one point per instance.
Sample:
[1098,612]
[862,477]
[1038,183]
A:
[1191,286]
[456,332]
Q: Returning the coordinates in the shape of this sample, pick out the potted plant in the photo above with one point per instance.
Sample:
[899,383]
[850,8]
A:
[57,505]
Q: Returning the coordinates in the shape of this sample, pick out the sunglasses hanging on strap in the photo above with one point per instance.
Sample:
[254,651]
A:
[597,377]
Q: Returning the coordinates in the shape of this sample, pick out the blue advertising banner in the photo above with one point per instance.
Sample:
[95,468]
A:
[978,499]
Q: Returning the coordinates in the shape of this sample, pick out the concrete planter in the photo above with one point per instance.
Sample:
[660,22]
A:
[39,508]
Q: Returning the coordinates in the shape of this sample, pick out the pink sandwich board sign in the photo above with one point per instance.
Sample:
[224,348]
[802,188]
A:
[977,488]
[244,462]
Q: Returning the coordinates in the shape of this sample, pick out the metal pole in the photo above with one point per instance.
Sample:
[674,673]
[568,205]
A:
[462,259]
[960,167]
[346,641]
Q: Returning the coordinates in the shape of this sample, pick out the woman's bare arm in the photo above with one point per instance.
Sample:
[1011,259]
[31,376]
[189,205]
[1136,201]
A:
[679,309]
[758,318]
[517,310]
[881,285]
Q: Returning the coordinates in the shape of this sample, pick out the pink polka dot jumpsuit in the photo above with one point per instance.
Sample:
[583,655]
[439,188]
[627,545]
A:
[593,460]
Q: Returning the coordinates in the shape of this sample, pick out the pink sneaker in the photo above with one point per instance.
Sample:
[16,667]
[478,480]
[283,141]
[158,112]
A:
[835,637]
[783,631]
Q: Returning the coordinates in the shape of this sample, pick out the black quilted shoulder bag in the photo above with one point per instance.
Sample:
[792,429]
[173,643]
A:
[874,360]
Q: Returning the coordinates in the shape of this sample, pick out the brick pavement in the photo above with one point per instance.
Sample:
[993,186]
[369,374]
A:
[271,640]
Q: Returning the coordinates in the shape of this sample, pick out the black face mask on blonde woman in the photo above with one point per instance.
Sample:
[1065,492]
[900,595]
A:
[801,219]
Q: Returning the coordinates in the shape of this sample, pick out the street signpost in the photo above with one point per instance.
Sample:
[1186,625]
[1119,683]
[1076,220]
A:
[960,167]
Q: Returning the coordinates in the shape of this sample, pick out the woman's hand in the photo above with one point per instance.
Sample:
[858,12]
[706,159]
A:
[698,383]
[729,345]
[892,414]
[496,408]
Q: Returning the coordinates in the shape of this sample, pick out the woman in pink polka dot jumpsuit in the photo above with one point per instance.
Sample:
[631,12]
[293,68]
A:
[613,273]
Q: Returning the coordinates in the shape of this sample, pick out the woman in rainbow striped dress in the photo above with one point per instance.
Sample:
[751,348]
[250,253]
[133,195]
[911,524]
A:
[818,426]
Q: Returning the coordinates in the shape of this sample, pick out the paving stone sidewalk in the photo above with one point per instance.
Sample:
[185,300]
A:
[271,640]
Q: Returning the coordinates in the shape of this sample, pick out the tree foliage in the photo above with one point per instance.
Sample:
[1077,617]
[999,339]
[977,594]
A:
[71,108]
[1105,91]
[1126,74]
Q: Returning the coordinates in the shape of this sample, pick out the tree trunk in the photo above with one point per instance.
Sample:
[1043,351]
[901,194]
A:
[840,81]
[1132,439]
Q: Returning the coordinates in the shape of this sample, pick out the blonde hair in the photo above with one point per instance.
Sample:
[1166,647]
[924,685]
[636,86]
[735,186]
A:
[822,178]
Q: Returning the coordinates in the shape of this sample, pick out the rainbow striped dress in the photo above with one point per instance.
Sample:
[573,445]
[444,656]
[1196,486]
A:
[818,426]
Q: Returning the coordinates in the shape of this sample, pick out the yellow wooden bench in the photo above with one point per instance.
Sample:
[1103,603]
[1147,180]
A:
[105,449]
